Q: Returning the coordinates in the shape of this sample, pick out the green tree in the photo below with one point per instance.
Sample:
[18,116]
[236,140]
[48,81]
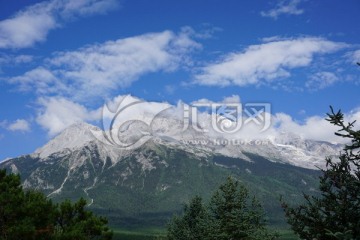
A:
[235,214]
[335,214]
[23,215]
[39,211]
[192,224]
[74,222]
[230,214]
[30,215]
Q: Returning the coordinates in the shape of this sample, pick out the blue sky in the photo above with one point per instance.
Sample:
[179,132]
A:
[60,60]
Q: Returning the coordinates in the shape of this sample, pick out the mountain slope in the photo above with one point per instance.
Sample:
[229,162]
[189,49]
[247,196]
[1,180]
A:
[148,184]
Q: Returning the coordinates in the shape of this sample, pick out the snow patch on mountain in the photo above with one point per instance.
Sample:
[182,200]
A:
[76,136]
[80,139]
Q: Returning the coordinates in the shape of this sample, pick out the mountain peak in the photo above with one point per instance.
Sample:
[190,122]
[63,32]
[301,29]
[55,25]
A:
[82,126]
[75,136]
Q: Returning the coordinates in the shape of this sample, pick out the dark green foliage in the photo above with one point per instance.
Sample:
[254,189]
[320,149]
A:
[231,214]
[336,213]
[39,212]
[23,215]
[237,215]
[30,215]
[191,225]
[74,222]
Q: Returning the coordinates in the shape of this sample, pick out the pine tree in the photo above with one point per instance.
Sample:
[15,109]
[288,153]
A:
[231,214]
[192,224]
[335,214]
[237,215]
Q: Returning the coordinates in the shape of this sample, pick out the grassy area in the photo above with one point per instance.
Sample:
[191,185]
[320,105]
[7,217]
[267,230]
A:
[138,234]
[287,235]
[154,233]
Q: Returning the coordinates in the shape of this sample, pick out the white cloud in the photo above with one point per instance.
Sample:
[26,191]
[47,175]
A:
[202,101]
[96,70]
[7,59]
[25,29]
[39,79]
[288,7]
[231,99]
[126,101]
[259,64]
[314,128]
[56,114]
[355,56]
[228,99]
[22,59]
[19,125]
[321,80]
[32,24]
[86,7]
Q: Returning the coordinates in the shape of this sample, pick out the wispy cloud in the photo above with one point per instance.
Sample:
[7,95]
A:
[321,80]
[288,7]
[264,63]
[11,59]
[19,125]
[227,99]
[96,70]
[32,25]
[81,8]
[355,56]
[40,80]
[8,60]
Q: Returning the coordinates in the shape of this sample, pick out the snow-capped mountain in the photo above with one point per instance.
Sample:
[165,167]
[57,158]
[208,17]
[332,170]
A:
[76,137]
[286,148]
